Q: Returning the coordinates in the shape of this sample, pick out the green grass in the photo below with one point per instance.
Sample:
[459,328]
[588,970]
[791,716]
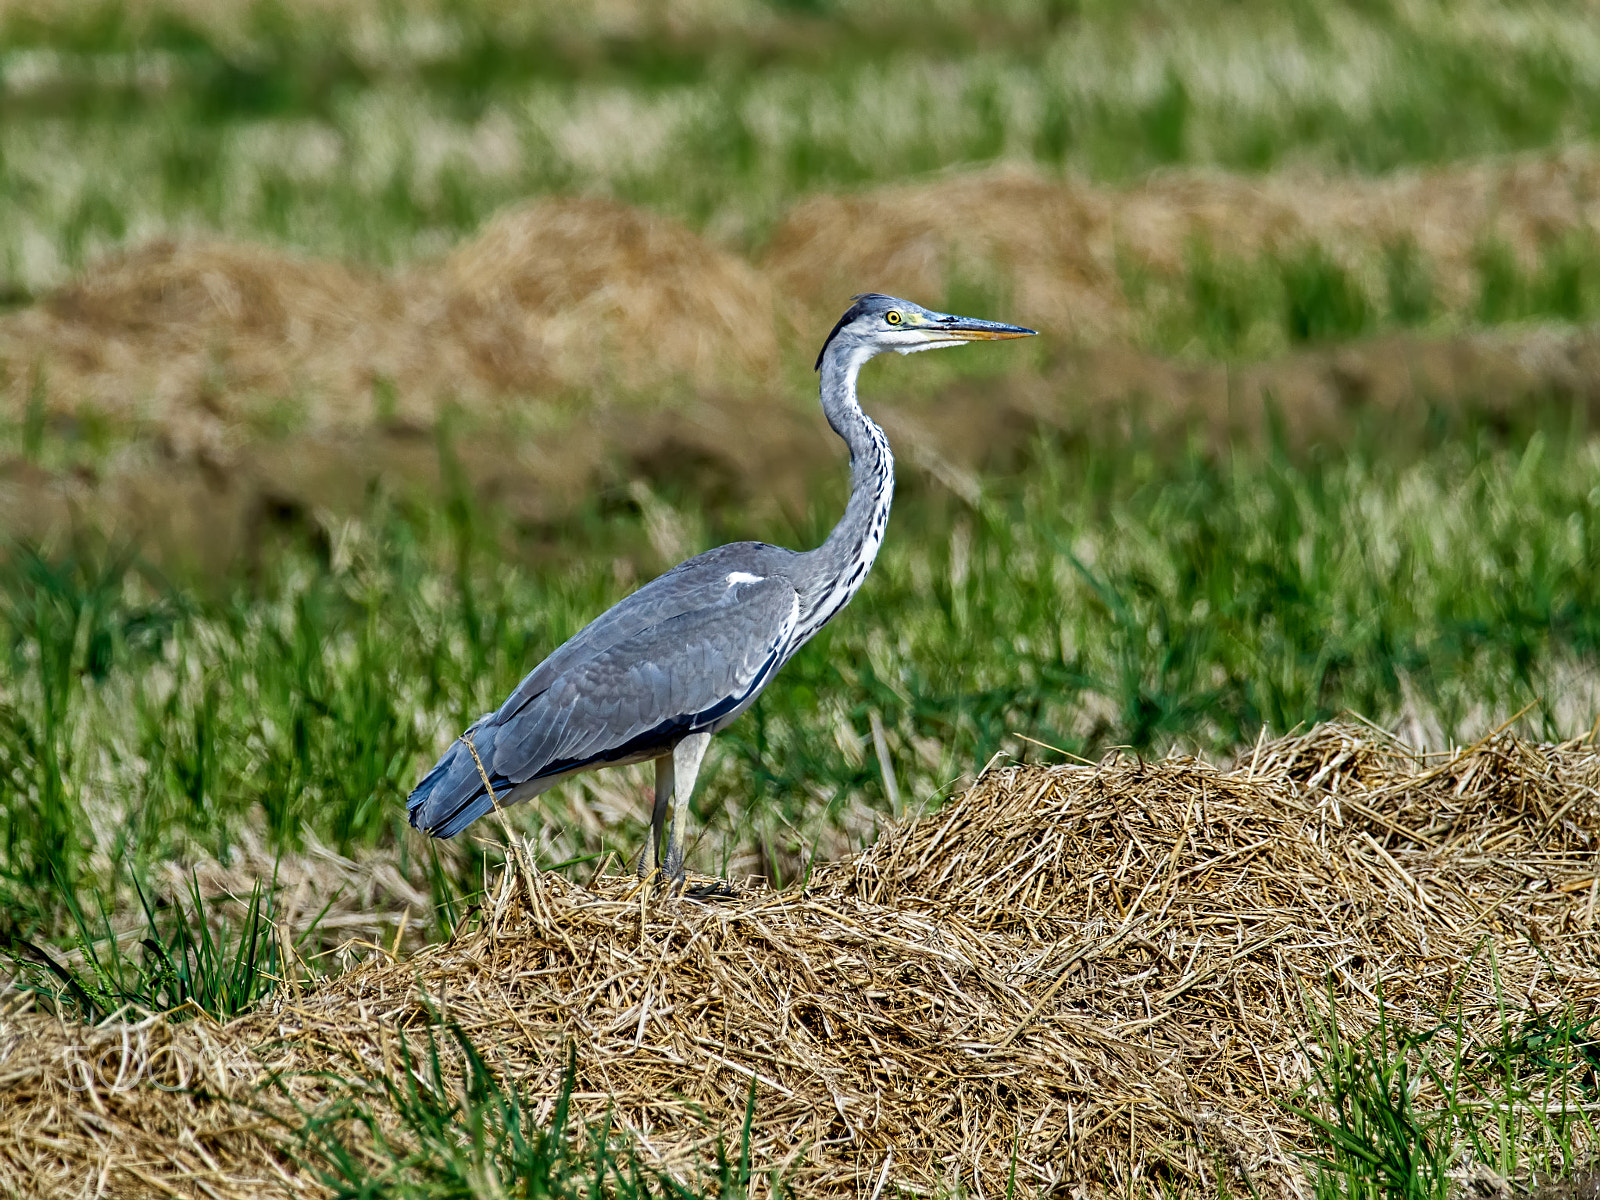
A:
[1123,593]
[1240,307]
[388,137]
[1398,1109]
[446,1125]
[385,139]
[190,960]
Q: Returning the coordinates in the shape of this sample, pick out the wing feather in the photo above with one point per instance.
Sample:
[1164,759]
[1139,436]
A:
[687,652]
[689,587]
[647,690]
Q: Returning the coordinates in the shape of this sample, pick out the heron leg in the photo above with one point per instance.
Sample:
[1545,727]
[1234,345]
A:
[686,756]
[654,849]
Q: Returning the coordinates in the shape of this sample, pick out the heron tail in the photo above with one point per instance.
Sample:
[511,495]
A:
[452,796]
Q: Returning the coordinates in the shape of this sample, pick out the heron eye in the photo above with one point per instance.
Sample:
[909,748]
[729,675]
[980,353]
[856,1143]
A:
[892,317]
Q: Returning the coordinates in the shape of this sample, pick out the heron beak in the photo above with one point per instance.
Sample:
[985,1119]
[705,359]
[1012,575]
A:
[949,327]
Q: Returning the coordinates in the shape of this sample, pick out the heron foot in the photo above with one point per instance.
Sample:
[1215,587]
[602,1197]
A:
[713,890]
[677,884]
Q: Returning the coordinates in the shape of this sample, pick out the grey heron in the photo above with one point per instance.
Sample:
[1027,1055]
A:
[680,659]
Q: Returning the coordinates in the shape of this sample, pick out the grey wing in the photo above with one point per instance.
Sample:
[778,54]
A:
[701,582]
[621,701]
[693,671]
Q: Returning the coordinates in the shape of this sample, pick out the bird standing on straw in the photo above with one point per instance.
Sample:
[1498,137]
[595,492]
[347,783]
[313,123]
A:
[653,677]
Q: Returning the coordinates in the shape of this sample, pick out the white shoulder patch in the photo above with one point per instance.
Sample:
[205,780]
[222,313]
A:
[744,577]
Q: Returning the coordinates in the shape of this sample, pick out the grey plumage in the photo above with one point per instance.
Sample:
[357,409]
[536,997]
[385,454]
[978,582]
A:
[680,659]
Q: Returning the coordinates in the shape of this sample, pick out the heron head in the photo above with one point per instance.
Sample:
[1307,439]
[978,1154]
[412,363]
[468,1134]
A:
[876,323]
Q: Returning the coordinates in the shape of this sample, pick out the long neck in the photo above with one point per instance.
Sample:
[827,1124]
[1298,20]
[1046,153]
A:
[832,573]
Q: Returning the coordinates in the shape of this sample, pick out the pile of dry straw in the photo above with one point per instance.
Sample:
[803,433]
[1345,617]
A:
[1103,971]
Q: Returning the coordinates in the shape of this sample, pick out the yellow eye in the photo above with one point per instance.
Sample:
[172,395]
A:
[892,317]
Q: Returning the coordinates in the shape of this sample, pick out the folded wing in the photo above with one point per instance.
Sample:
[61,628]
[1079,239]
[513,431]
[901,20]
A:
[620,702]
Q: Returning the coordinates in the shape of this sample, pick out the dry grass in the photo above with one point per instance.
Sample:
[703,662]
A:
[666,347]
[177,335]
[1059,248]
[568,284]
[173,334]
[203,495]
[183,335]
[1102,969]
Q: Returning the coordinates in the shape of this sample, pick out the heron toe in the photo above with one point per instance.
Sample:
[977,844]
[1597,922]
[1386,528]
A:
[713,890]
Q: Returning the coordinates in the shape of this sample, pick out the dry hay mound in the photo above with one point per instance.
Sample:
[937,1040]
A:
[1058,250]
[174,333]
[1102,969]
[555,285]
[192,338]
[1449,215]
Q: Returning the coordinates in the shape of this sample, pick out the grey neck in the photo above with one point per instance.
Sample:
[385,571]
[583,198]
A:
[832,573]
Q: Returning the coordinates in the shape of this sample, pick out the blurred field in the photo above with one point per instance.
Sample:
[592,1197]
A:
[386,134]
[585,340]
[287,240]
[352,357]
